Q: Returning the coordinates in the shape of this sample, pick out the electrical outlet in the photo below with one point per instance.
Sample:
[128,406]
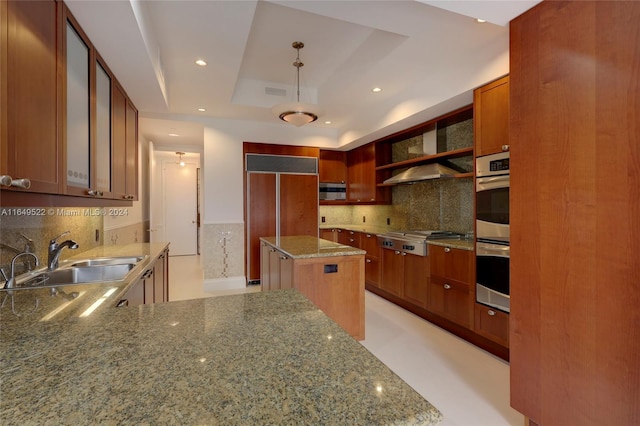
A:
[364,219]
[323,219]
[388,221]
[97,235]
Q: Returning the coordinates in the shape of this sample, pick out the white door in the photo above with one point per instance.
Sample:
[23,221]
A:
[180,207]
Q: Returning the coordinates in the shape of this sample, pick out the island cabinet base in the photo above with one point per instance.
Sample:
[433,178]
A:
[336,286]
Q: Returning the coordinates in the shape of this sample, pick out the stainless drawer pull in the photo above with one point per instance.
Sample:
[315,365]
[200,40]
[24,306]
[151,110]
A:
[368,260]
[447,287]
[491,312]
[447,249]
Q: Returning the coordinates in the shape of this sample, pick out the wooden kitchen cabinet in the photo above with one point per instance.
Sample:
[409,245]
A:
[124,166]
[416,279]
[333,166]
[276,269]
[451,288]
[369,243]
[574,321]
[57,84]
[343,236]
[29,92]
[363,177]
[491,117]
[392,272]
[153,284]
[492,324]
[329,234]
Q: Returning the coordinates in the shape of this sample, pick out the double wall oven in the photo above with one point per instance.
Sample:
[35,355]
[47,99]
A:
[492,230]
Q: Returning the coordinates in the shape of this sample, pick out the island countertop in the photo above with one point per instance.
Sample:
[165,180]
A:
[305,246]
[251,359]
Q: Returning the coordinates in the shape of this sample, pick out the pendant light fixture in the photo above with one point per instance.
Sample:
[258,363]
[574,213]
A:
[297,113]
[180,160]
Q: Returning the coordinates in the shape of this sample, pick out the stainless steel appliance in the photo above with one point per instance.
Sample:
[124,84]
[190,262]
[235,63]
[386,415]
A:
[492,197]
[492,275]
[412,242]
[492,230]
[332,191]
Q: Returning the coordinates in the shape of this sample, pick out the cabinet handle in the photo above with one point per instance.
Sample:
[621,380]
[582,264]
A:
[272,250]
[447,287]
[368,260]
[368,235]
[397,252]
[5,180]
[122,303]
[21,183]
[95,193]
[351,240]
[505,147]
[447,249]
[283,257]
[491,312]
[404,254]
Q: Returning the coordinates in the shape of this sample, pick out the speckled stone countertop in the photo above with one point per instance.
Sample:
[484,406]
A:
[251,359]
[460,244]
[367,229]
[304,247]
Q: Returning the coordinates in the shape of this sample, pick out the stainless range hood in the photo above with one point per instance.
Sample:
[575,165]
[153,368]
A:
[424,172]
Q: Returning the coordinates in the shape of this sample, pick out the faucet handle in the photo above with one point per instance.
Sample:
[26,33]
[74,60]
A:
[53,240]
[29,243]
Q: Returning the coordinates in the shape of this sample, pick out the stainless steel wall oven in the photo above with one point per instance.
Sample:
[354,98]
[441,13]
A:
[492,230]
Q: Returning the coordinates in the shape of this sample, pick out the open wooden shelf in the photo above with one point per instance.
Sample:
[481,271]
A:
[463,152]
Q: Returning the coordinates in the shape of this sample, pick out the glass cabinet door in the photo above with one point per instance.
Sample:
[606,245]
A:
[103,130]
[78,114]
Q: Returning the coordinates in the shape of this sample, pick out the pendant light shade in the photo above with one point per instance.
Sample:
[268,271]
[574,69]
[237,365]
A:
[297,113]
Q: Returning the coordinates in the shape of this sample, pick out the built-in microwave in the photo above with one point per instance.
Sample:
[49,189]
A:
[332,191]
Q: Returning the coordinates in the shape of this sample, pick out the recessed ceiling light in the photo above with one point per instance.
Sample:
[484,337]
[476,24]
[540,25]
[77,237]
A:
[480,21]
[327,122]
[201,62]
[376,90]
[201,109]
[173,134]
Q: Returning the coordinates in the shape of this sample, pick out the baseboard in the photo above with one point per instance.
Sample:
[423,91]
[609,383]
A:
[230,283]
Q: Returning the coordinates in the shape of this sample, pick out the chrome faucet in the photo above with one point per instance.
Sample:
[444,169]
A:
[12,280]
[55,249]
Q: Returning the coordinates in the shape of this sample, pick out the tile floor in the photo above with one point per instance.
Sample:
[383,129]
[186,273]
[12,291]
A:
[469,386]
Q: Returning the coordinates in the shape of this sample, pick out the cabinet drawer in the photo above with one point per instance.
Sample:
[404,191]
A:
[452,263]
[369,243]
[450,299]
[492,324]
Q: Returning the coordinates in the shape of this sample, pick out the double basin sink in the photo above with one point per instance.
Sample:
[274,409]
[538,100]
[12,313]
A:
[86,271]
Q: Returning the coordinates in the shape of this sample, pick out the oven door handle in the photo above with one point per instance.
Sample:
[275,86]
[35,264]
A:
[492,250]
[484,183]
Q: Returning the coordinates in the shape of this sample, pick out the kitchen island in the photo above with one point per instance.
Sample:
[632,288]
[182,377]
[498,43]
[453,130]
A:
[257,358]
[329,274]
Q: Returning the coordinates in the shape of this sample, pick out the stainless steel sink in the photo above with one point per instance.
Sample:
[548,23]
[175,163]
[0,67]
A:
[77,275]
[105,261]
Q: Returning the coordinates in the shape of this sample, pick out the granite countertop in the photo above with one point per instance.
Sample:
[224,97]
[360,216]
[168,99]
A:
[251,359]
[453,243]
[305,247]
[463,244]
[35,305]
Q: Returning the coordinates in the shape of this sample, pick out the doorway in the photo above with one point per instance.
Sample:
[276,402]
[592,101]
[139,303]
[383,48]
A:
[174,202]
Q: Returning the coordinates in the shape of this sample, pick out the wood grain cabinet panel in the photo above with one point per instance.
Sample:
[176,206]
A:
[492,324]
[574,337]
[30,93]
[491,117]
[333,166]
[450,299]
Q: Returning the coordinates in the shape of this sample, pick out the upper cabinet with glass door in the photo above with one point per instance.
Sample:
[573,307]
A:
[78,111]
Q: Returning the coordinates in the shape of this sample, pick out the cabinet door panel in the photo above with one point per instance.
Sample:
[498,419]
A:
[298,205]
[491,106]
[32,92]
[103,129]
[333,166]
[286,272]
[118,156]
[416,279]
[135,294]
[450,299]
[369,243]
[78,119]
[392,276]
[274,269]
[261,216]
[372,270]
[452,263]
[131,151]
[158,282]
[492,324]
